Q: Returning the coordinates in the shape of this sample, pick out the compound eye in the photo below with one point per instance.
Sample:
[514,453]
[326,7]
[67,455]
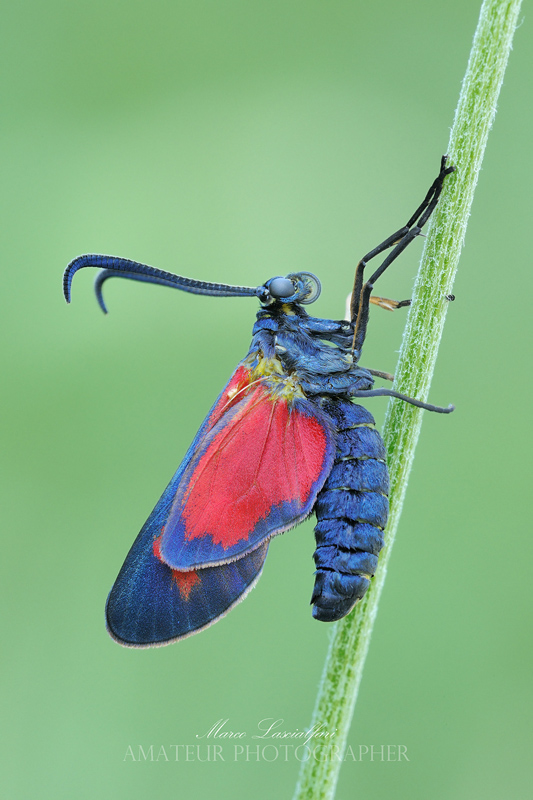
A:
[298,287]
[280,288]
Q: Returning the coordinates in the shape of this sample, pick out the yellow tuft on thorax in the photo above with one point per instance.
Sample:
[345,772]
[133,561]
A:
[271,373]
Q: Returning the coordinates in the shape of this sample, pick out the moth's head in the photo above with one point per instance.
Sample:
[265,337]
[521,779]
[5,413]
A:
[302,288]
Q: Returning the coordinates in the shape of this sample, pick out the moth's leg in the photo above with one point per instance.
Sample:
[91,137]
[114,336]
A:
[379,374]
[399,241]
[338,332]
[392,305]
[387,304]
[326,326]
[399,396]
[421,215]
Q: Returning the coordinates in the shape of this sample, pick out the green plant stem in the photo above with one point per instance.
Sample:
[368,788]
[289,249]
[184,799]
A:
[473,119]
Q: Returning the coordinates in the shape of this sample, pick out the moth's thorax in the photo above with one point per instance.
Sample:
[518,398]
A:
[314,353]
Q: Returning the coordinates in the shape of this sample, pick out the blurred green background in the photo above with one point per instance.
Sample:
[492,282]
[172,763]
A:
[233,141]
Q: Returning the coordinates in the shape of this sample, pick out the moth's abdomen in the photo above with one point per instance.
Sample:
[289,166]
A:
[351,511]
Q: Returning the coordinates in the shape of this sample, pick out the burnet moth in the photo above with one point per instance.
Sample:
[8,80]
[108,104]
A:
[284,438]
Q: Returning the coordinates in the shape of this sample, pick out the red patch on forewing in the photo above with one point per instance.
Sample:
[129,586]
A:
[268,453]
[231,394]
[185,581]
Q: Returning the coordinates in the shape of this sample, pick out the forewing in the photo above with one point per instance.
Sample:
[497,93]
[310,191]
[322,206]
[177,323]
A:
[253,469]
[254,473]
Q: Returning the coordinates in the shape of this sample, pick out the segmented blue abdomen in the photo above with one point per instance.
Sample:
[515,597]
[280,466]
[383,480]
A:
[351,511]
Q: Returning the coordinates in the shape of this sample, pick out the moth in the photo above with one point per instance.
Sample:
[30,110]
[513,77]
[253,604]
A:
[286,437]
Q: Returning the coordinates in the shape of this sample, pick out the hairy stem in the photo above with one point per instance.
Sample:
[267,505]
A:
[473,118]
